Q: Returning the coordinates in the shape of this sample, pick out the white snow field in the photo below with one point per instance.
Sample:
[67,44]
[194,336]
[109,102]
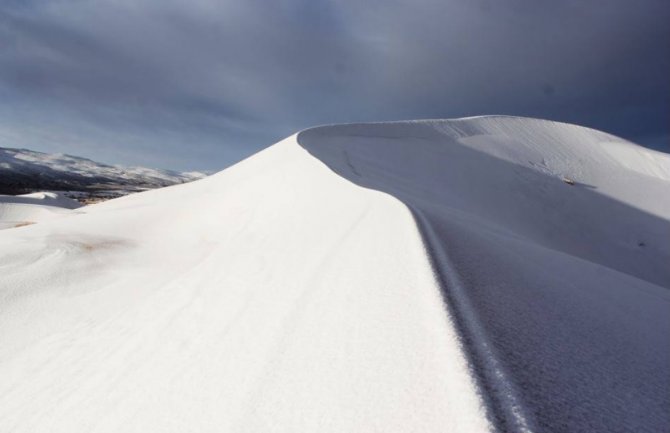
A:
[35,207]
[480,274]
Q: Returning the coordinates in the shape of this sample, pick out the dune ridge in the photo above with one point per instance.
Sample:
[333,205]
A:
[550,242]
[479,274]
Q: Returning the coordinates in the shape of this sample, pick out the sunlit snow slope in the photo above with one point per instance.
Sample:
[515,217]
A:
[439,276]
[274,296]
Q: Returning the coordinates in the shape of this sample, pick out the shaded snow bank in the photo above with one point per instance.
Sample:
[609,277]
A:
[552,244]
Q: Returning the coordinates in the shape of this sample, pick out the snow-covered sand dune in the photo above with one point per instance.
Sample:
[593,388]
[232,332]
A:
[552,246]
[31,208]
[414,276]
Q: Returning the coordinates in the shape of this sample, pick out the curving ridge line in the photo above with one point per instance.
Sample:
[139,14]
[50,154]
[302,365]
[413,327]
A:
[499,395]
[563,322]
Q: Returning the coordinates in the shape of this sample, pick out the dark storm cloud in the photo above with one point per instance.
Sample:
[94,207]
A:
[202,83]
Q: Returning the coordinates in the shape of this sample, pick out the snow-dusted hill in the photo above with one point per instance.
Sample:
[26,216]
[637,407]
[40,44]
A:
[21,210]
[551,243]
[462,275]
[22,169]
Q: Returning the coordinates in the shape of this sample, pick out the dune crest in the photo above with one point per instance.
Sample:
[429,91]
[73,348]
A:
[428,276]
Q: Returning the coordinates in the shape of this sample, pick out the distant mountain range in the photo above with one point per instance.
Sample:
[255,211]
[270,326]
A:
[23,171]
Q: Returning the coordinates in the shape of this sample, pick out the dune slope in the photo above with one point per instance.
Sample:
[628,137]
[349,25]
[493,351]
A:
[552,245]
[484,274]
[274,296]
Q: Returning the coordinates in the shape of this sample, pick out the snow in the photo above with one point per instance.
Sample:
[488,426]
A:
[559,292]
[31,208]
[428,276]
[258,299]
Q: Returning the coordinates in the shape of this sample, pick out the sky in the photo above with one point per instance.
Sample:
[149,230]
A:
[201,84]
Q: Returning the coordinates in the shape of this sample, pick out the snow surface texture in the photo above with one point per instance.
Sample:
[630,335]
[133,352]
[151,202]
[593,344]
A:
[559,289]
[448,280]
[31,208]
[274,296]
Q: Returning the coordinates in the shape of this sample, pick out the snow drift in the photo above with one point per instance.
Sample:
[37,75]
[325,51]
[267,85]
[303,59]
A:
[31,208]
[463,275]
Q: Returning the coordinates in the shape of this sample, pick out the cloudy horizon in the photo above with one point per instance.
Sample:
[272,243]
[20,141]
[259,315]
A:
[202,84]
